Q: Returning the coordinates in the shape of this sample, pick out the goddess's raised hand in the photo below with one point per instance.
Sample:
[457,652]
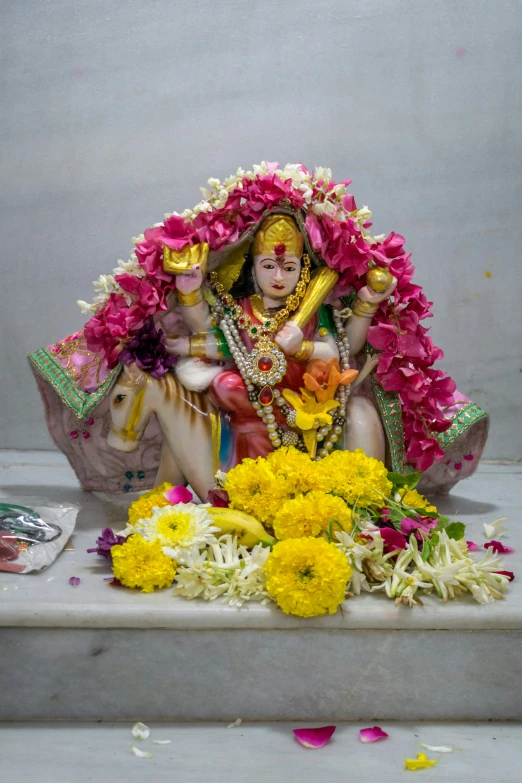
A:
[187,282]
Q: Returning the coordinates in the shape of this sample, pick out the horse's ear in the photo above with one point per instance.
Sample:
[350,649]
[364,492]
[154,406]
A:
[133,374]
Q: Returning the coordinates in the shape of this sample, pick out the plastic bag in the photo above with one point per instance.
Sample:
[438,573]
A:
[33,532]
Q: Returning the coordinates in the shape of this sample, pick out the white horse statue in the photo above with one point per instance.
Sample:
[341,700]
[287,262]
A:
[187,421]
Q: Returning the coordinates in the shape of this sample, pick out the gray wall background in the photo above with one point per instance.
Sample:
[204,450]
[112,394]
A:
[114,113]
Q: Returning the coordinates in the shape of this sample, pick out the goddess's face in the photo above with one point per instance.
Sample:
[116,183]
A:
[277,278]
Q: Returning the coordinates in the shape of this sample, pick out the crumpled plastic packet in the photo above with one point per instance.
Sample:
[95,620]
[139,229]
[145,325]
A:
[33,532]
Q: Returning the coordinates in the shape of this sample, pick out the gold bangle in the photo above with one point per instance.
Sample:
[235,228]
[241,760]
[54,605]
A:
[364,309]
[198,345]
[189,300]
[305,351]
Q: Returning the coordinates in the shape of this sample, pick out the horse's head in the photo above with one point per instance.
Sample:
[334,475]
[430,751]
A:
[129,412]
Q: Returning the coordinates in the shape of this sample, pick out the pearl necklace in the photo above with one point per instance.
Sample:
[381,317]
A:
[261,400]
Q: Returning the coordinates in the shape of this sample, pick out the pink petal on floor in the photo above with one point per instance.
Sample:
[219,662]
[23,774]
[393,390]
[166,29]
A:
[314,738]
[74,581]
[372,735]
[498,548]
[473,547]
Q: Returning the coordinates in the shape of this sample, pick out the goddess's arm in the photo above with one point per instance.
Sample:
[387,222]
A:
[363,309]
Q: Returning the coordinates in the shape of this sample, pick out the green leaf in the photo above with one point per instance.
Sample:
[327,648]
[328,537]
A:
[409,480]
[456,530]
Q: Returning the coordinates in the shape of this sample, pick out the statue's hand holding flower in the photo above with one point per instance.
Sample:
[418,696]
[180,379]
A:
[289,338]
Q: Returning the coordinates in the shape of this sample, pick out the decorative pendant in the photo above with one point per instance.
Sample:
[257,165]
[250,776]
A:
[266,396]
[266,364]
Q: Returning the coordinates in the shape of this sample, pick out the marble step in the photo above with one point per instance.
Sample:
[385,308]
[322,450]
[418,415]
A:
[96,652]
[262,753]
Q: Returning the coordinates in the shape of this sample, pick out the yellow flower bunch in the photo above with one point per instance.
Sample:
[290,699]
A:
[311,515]
[141,564]
[307,576]
[297,469]
[355,477]
[252,487]
[414,499]
[154,498]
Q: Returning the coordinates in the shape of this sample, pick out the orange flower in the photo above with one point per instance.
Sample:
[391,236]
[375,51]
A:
[323,378]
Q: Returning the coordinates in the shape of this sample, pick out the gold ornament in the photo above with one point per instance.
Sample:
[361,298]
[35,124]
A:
[275,230]
[191,299]
[181,262]
[379,278]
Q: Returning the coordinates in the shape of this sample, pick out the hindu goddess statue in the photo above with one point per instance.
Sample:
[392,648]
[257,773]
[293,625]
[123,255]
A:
[268,316]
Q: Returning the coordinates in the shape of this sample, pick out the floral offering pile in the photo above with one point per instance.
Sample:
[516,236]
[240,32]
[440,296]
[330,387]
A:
[304,534]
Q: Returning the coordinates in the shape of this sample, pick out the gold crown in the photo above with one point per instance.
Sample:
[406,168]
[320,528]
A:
[275,230]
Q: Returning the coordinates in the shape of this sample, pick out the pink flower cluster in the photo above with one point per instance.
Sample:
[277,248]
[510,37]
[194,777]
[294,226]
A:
[407,352]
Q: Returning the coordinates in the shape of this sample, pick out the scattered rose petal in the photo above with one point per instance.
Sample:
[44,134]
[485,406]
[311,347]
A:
[141,754]
[140,731]
[372,735]
[162,742]
[392,539]
[499,548]
[236,723]
[74,434]
[457,465]
[74,581]
[421,762]
[437,748]
[472,547]
[218,498]
[314,738]
[495,529]
[510,575]
[178,495]
[469,457]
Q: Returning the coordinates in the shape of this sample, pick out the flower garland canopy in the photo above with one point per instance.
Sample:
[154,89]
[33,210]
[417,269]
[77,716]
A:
[339,233]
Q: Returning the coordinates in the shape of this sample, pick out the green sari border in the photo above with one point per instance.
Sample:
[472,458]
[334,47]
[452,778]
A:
[78,401]
[466,417]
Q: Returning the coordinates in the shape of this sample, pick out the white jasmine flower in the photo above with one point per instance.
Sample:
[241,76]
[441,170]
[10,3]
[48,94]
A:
[85,307]
[363,214]
[141,754]
[140,731]
[321,173]
[224,569]
[105,283]
[495,529]
[178,528]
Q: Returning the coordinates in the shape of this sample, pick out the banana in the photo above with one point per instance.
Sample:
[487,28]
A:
[248,530]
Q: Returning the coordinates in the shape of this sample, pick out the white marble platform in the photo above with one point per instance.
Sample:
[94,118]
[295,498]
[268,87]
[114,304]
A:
[260,753]
[96,651]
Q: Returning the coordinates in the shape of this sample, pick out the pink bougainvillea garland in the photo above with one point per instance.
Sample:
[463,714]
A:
[339,234]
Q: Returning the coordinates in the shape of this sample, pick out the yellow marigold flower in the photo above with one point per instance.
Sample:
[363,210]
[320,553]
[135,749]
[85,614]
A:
[311,515]
[141,564]
[307,576]
[356,477]
[252,487]
[296,467]
[154,498]
[414,499]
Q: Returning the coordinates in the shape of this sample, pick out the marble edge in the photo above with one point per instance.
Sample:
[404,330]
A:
[208,618]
